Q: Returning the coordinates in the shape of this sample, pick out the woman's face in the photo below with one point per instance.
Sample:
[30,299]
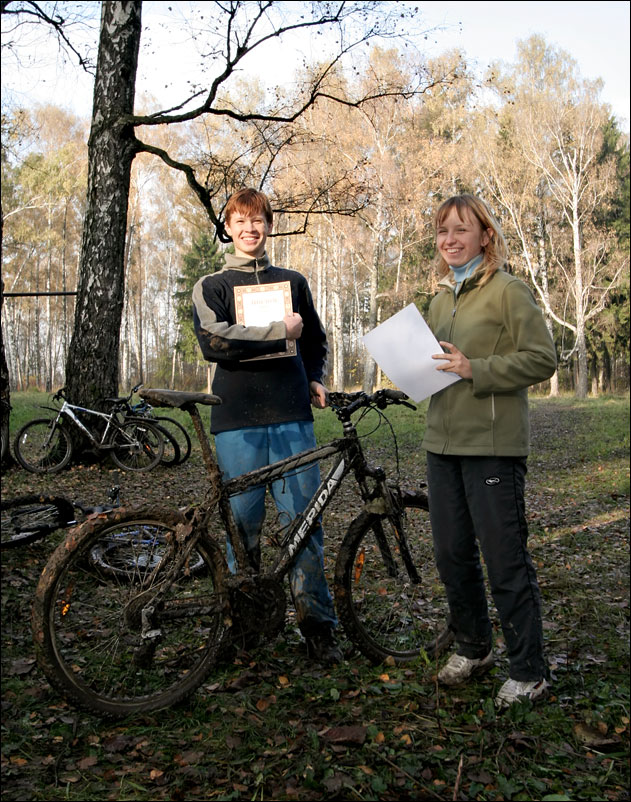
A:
[459,241]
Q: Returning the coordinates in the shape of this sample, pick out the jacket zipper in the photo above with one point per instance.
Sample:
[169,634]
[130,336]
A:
[451,332]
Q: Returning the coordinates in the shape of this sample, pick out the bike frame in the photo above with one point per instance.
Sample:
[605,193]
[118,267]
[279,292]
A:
[68,411]
[298,531]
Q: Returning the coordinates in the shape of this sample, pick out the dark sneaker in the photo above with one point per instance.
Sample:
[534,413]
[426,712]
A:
[324,648]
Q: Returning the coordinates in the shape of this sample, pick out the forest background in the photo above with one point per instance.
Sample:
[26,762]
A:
[354,188]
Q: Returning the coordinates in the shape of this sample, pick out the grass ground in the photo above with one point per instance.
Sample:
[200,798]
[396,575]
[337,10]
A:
[273,726]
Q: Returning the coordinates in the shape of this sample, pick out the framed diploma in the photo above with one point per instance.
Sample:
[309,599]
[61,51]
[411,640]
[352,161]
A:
[262,304]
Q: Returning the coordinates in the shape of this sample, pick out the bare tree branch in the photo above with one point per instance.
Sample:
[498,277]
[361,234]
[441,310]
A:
[29,10]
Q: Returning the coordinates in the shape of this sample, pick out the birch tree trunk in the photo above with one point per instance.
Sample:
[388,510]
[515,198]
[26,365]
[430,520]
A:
[92,363]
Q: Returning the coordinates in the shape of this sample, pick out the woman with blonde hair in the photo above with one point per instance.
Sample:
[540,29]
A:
[477,441]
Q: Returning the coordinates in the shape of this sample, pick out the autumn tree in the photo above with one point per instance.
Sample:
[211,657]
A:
[203,258]
[17,15]
[558,125]
[234,31]
[43,199]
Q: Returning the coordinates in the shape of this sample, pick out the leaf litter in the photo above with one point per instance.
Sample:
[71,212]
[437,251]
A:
[271,725]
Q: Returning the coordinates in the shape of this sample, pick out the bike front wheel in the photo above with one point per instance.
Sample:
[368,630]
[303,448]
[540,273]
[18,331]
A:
[122,645]
[392,604]
[137,446]
[43,446]
[26,519]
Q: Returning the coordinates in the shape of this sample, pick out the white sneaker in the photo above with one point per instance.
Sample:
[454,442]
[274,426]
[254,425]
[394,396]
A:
[459,668]
[512,690]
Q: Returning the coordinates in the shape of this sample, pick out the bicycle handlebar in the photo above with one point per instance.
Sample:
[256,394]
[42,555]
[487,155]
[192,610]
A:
[351,402]
[60,395]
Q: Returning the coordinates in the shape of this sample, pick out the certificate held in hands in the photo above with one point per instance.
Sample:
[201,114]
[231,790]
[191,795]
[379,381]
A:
[402,346]
[262,304]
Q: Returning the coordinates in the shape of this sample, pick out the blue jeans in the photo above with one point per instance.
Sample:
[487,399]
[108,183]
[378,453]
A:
[242,450]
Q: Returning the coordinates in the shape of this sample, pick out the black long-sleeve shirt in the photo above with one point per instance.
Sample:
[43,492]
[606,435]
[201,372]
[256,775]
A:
[264,391]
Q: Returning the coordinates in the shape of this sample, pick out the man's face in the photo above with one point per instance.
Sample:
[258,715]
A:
[249,234]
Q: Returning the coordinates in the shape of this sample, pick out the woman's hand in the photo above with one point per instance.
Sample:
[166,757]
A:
[455,361]
[318,393]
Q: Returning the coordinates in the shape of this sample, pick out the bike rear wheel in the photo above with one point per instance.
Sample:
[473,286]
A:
[137,446]
[43,446]
[171,454]
[179,433]
[113,646]
[385,610]
[26,519]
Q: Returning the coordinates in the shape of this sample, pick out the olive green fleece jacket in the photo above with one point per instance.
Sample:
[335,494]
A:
[501,330]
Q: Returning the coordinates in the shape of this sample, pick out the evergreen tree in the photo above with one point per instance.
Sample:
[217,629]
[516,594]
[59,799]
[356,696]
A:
[203,258]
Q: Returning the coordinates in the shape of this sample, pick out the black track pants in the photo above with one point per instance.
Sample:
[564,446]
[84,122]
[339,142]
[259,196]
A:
[481,500]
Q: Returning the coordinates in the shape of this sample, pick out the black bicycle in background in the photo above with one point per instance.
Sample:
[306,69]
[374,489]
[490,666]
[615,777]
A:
[122,645]
[33,516]
[180,448]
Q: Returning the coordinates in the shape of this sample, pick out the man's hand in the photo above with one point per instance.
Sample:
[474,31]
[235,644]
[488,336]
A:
[455,361]
[318,393]
[293,324]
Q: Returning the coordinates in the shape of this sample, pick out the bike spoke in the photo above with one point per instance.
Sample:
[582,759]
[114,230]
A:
[128,628]
[387,609]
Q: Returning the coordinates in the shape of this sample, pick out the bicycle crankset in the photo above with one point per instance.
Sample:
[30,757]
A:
[258,611]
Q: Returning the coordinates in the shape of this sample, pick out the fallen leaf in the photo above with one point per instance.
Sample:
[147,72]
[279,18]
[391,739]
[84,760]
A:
[350,734]
[593,738]
[22,666]
[263,704]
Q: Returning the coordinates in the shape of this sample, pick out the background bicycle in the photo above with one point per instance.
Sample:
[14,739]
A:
[124,555]
[31,517]
[46,445]
[175,431]
[122,647]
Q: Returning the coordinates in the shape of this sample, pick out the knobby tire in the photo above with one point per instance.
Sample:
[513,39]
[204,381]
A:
[87,623]
[384,612]
[43,446]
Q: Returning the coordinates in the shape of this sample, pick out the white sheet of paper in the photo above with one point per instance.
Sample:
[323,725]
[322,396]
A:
[402,346]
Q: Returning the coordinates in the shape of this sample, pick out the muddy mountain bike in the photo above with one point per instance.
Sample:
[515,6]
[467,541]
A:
[119,648]
[46,445]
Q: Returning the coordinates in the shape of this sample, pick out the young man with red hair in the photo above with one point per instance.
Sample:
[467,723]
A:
[267,396]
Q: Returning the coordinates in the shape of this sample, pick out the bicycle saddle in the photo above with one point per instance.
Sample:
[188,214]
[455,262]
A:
[176,398]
